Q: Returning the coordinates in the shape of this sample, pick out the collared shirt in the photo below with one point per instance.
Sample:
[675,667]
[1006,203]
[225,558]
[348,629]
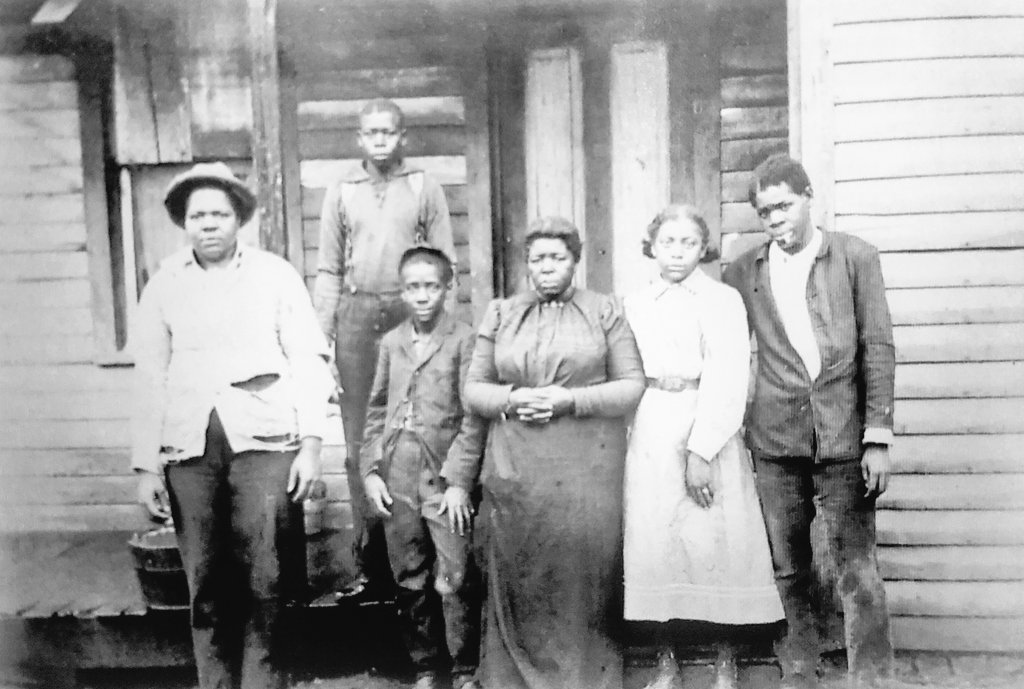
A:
[788,274]
[367,222]
[851,400]
[696,330]
[243,340]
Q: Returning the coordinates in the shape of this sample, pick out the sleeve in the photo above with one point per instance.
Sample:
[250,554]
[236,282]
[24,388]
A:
[330,260]
[722,392]
[621,392]
[305,349]
[462,465]
[371,453]
[485,395]
[151,349]
[437,222]
[733,277]
[877,352]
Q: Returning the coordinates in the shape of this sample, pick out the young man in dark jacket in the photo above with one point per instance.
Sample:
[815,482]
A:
[820,425]
[420,461]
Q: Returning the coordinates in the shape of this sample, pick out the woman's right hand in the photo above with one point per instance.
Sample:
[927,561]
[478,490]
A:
[530,405]
[699,478]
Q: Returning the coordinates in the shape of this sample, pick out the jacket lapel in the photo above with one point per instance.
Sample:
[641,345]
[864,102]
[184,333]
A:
[437,337]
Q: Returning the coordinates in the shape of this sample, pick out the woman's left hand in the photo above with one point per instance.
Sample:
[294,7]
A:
[699,480]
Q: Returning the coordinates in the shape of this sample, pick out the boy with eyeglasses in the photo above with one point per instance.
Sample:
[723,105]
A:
[420,461]
[368,220]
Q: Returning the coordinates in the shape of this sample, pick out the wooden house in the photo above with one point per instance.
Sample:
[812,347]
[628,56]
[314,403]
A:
[907,114]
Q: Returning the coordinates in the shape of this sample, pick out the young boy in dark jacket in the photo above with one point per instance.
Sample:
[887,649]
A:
[420,461]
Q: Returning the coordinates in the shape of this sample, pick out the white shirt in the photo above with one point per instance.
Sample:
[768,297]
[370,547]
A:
[788,275]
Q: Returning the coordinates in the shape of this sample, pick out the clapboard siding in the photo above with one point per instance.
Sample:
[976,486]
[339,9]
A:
[754,115]
[63,455]
[929,167]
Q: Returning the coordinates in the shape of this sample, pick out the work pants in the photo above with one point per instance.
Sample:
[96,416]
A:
[243,550]
[792,490]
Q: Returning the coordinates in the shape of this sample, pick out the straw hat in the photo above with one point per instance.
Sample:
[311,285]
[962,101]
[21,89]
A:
[213,175]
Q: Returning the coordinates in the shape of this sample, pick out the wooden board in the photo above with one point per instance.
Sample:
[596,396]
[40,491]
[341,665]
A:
[68,490]
[757,90]
[956,305]
[43,266]
[55,209]
[975,342]
[998,635]
[362,84]
[49,95]
[754,122]
[88,404]
[344,114]
[955,598]
[959,454]
[746,154]
[940,78]
[56,462]
[105,433]
[29,124]
[53,349]
[937,231]
[640,153]
[990,415]
[954,193]
[753,58]
[478,228]
[65,378]
[28,237]
[954,268]
[739,217]
[75,320]
[40,181]
[950,527]
[33,68]
[124,517]
[930,156]
[907,119]
[952,563]
[954,491]
[61,293]
[855,11]
[979,379]
[931,38]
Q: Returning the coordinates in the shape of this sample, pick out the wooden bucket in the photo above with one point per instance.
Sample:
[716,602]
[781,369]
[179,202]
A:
[158,567]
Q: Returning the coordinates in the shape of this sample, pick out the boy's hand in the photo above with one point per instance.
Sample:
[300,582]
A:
[377,493]
[153,495]
[876,467]
[305,470]
[457,504]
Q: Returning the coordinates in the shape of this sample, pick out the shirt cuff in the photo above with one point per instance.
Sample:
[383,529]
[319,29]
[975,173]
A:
[703,450]
[878,436]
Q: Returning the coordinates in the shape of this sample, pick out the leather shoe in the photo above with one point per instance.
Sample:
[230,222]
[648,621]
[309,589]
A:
[427,680]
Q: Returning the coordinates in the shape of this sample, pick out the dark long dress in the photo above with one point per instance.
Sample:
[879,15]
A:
[553,492]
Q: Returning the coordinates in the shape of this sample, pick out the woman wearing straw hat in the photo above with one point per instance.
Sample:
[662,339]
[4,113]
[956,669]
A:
[233,389]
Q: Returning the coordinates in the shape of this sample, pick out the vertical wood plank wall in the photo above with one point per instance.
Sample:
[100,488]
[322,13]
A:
[63,421]
[929,167]
[555,183]
[640,166]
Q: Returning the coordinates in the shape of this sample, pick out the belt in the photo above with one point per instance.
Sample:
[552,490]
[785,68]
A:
[673,383]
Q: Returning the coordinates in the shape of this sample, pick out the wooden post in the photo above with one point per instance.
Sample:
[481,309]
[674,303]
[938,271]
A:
[266,130]
[811,101]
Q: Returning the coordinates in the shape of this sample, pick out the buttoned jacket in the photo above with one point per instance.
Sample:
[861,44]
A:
[851,401]
[422,393]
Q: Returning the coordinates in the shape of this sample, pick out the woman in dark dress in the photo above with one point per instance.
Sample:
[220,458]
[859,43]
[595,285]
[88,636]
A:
[556,370]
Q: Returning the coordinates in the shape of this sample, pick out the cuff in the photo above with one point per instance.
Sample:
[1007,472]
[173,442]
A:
[704,451]
[581,405]
[878,436]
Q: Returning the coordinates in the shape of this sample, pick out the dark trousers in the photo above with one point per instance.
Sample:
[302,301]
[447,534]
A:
[363,319]
[438,582]
[242,548]
[792,491]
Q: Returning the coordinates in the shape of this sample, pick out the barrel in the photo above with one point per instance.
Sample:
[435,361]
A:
[158,567]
